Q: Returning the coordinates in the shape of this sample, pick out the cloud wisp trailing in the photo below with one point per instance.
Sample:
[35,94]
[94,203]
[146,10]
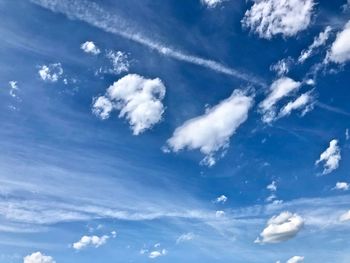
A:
[93,14]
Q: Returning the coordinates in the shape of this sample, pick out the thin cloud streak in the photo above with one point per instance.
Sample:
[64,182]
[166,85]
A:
[94,15]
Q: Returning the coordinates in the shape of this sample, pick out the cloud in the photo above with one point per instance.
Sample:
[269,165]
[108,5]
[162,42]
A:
[51,72]
[87,241]
[345,217]
[95,15]
[278,90]
[268,18]
[330,157]
[219,213]
[340,50]
[38,257]
[221,199]
[347,135]
[305,102]
[157,253]
[138,99]
[211,131]
[272,187]
[318,41]
[212,3]
[341,186]
[282,66]
[281,228]
[90,47]
[13,88]
[119,61]
[296,259]
[185,237]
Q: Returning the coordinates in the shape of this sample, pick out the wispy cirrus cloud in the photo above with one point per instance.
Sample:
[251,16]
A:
[93,14]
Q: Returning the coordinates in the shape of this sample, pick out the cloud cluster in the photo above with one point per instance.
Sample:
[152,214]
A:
[94,241]
[268,18]
[138,99]
[119,60]
[212,3]
[342,186]
[330,157]
[340,50]
[90,47]
[38,257]
[221,199]
[281,228]
[212,131]
[51,73]
[157,253]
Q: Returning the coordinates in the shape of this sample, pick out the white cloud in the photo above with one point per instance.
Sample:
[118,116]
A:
[87,241]
[119,60]
[212,3]
[272,187]
[157,253]
[340,50]
[330,157]
[221,199]
[278,90]
[342,186]
[282,66]
[90,47]
[271,17]
[13,88]
[219,213]
[281,228]
[185,237]
[38,257]
[138,99]
[318,41]
[51,72]
[345,217]
[347,135]
[304,101]
[296,259]
[211,131]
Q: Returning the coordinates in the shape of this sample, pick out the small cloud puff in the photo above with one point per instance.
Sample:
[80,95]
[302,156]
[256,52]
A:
[296,259]
[185,237]
[342,186]
[340,50]
[90,47]
[345,217]
[94,241]
[51,73]
[212,3]
[38,257]
[221,199]
[281,228]
[138,99]
[268,18]
[330,157]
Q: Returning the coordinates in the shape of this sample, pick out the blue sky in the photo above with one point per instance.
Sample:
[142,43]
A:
[174,131]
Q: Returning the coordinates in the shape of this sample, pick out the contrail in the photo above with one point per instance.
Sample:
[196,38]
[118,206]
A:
[93,14]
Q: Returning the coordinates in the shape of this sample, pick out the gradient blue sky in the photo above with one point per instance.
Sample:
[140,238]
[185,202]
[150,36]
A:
[66,173]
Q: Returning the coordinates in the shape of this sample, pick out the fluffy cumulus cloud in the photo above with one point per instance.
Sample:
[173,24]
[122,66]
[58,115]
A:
[185,237]
[90,47]
[38,257]
[51,73]
[279,89]
[212,3]
[271,17]
[138,99]
[318,42]
[211,132]
[157,253]
[340,50]
[281,228]
[342,186]
[305,102]
[87,241]
[345,217]
[221,199]
[330,157]
[296,259]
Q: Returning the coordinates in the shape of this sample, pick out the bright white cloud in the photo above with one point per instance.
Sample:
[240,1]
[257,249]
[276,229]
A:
[185,237]
[272,187]
[38,257]
[90,47]
[157,253]
[119,60]
[320,40]
[211,131]
[296,259]
[138,99]
[345,217]
[94,241]
[330,157]
[342,186]
[279,89]
[51,72]
[281,228]
[305,102]
[221,199]
[212,3]
[340,50]
[282,66]
[13,88]
[271,17]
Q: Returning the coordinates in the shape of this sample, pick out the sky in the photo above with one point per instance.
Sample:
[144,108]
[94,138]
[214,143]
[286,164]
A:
[174,131]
